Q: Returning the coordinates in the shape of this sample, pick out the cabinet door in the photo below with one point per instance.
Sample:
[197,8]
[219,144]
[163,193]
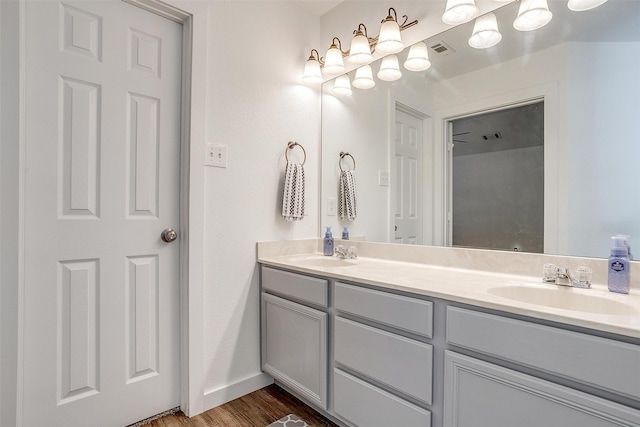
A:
[479,394]
[294,347]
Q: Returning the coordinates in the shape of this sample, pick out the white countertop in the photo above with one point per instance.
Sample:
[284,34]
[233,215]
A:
[594,308]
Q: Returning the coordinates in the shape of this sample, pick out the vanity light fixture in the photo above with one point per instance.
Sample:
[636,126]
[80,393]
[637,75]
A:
[485,32]
[389,69]
[582,5]
[389,40]
[361,49]
[533,14]
[342,85]
[459,11]
[360,52]
[364,78]
[333,62]
[312,72]
[418,58]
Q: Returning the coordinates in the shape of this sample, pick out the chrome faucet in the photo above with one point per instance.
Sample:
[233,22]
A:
[562,276]
[344,253]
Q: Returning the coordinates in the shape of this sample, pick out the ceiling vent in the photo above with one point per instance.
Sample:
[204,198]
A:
[441,48]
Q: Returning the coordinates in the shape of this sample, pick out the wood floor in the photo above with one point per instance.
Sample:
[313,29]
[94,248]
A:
[257,409]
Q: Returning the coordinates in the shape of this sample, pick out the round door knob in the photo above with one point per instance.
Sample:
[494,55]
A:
[169,235]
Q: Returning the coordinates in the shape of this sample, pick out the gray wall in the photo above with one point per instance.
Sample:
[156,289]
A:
[498,200]
[9,107]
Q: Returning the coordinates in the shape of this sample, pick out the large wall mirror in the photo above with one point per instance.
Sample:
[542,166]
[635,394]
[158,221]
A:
[582,71]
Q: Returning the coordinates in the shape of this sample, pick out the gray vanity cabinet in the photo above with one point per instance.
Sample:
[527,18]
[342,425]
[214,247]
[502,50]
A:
[382,375]
[479,393]
[369,357]
[294,332]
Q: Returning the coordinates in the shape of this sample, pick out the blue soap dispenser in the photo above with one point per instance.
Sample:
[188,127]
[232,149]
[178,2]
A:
[345,234]
[618,267]
[328,242]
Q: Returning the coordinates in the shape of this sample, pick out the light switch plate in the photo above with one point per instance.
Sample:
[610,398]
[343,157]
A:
[331,206]
[383,178]
[216,156]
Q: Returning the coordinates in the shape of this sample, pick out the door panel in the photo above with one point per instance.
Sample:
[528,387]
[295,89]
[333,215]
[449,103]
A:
[102,150]
[407,179]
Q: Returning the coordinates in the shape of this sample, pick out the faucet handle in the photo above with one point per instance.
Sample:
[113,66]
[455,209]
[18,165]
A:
[549,273]
[583,277]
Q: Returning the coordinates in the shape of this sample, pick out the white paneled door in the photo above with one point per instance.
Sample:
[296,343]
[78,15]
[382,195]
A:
[406,203]
[102,181]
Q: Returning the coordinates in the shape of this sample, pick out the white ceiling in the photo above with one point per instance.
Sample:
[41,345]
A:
[319,7]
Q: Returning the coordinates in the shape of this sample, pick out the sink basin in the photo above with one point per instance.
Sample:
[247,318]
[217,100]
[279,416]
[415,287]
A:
[564,298]
[326,261]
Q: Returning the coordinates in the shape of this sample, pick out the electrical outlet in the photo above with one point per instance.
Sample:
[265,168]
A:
[216,156]
[331,206]
[383,178]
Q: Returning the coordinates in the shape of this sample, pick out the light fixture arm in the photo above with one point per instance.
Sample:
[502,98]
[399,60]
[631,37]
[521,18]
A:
[338,46]
[315,57]
[404,24]
[358,31]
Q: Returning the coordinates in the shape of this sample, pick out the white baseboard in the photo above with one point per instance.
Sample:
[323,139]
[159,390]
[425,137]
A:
[227,393]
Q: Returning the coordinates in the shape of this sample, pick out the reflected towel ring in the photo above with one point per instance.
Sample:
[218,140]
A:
[344,154]
[290,146]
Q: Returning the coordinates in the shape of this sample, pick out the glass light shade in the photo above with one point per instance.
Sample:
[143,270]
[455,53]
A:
[582,5]
[312,72]
[389,40]
[342,85]
[533,14]
[333,63]
[485,32]
[360,52]
[364,78]
[418,58]
[389,69]
[459,11]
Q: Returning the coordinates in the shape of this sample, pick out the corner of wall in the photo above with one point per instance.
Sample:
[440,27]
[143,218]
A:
[9,208]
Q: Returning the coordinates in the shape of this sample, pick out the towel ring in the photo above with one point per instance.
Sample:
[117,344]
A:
[290,146]
[344,154]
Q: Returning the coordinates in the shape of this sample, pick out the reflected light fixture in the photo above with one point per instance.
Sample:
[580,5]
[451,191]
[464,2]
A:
[342,85]
[485,32]
[364,78]
[389,69]
[312,72]
[459,11]
[333,63]
[389,40]
[582,5]
[533,14]
[360,52]
[418,58]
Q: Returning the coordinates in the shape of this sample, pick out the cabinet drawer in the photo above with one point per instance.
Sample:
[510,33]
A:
[480,394]
[600,362]
[367,406]
[297,286]
[294,347]
[400,363]
[409,314]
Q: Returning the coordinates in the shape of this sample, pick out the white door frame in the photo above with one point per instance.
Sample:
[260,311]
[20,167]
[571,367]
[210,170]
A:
[194,22]
[555,179]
